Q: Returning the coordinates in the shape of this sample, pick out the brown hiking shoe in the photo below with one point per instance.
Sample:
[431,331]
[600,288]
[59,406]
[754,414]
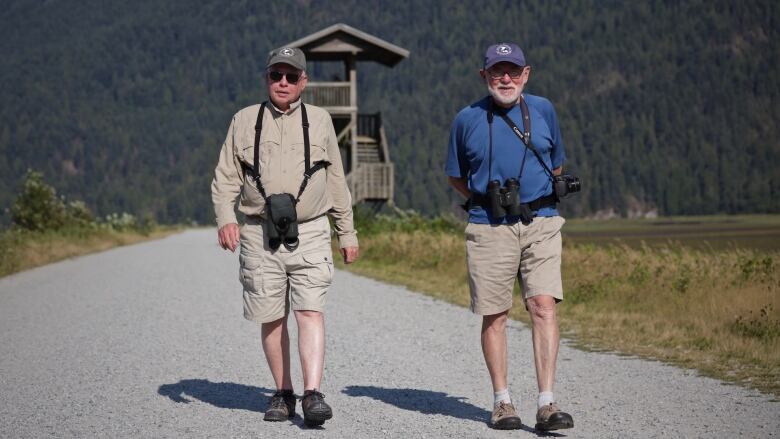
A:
[550,417]
[282,406]
[505,417]
[315,410]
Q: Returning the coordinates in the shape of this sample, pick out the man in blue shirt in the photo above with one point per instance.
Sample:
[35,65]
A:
[512,233]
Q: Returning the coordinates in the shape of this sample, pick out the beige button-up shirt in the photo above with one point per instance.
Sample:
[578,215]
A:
[282,164]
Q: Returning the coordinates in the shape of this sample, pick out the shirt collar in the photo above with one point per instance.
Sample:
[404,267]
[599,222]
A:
[293,106]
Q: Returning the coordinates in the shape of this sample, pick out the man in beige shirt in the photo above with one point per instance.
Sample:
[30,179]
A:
[282,160]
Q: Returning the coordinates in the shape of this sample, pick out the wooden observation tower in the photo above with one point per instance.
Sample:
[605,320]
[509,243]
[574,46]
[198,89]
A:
[361,137]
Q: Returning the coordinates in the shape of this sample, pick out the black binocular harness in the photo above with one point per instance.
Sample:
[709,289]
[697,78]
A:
[254,172]
[525,137]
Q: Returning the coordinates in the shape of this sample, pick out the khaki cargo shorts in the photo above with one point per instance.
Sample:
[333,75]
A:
[497,254]
[272,279]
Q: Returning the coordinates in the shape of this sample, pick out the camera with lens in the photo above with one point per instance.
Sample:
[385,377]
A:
[505,201]
[281,221]
[565,184]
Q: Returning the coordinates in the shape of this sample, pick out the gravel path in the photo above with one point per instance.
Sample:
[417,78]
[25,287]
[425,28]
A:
[149,341]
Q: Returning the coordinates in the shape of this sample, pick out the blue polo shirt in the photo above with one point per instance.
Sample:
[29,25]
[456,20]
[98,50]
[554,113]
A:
[467,153]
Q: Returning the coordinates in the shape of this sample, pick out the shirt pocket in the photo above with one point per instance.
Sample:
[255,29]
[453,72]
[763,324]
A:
[266,149]
[319,151]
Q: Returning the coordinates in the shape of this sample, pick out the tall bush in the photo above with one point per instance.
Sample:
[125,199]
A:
[37,206]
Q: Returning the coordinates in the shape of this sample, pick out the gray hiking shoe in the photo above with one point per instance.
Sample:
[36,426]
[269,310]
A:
[282,406]
[505,417]
[550,417]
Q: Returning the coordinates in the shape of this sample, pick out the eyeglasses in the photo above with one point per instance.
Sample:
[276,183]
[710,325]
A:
[513,74]
[277,76]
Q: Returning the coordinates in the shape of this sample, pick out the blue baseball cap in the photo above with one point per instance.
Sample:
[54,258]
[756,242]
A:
[504,52]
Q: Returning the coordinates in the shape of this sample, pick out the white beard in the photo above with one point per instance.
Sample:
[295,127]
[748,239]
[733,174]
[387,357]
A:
[504,99]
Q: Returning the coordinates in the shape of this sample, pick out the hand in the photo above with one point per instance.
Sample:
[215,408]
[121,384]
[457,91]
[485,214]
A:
[349,254]
[229,235]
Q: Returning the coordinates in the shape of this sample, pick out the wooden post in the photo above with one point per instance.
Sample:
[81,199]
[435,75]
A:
[351,63]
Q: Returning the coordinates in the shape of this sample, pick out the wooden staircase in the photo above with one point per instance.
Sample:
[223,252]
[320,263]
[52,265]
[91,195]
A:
[370,179]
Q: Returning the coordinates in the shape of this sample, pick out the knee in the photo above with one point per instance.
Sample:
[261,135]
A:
[269,328]
[494,323]
[541,308]
[308,315]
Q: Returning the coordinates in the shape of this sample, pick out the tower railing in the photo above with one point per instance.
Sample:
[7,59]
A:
[327,94]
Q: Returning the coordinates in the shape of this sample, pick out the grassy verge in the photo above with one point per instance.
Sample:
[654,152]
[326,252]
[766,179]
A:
[715,310]
[22,249]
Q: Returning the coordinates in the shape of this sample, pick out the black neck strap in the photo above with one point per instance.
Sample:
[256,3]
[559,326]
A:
[524,137]
[308,171]
[256,161]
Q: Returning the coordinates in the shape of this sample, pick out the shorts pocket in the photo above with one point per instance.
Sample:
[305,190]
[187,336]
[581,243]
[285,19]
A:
[319,268]
[469,232]
[555,224]
[251,272]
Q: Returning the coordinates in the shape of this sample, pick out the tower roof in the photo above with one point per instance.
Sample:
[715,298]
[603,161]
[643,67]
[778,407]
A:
[337,42]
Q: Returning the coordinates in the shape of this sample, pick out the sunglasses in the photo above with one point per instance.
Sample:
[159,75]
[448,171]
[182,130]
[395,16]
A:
[292,78]
[513,74]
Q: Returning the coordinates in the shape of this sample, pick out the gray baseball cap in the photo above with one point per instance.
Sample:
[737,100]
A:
[287,55]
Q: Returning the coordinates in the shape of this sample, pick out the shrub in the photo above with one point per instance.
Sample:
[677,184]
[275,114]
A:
[121,222]
[78,214]
[37,206]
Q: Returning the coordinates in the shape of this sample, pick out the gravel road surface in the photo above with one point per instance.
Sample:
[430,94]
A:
[149,341]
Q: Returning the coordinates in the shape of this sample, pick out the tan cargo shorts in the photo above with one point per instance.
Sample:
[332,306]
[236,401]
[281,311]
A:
[497,254]
[274,278]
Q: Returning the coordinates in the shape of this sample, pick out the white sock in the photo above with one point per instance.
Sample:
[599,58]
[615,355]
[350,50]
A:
[545,398]
[501,396]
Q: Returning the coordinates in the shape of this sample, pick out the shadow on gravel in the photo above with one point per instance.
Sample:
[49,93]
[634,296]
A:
[423,401]
[223,395]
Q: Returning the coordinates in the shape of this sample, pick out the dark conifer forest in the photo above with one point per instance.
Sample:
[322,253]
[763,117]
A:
[663,105]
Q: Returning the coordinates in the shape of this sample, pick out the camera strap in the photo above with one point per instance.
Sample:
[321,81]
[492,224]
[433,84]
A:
[309,169]
[525,136]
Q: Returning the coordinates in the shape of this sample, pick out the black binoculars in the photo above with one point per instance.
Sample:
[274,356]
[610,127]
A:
[505,201]
[281,221]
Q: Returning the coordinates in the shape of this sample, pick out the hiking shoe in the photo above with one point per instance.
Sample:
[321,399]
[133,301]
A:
[315,410]
[282,406]
[550,417]
[505,417]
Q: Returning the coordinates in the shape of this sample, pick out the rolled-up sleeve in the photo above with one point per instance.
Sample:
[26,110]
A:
[341,211]
[226,186]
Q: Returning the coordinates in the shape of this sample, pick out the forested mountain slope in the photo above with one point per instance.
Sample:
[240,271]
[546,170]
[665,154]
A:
[663,104]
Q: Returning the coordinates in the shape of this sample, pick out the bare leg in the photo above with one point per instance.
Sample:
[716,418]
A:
[276,346]
[494,348]
[311,346]
[544,326]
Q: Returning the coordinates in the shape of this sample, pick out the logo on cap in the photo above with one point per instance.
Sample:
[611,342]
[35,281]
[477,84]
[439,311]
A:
[287,52]
[503,49]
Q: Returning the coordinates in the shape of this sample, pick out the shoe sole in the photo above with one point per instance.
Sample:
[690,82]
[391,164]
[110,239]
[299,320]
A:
[508,424]
[554,426]
[316,419]
[278,418]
